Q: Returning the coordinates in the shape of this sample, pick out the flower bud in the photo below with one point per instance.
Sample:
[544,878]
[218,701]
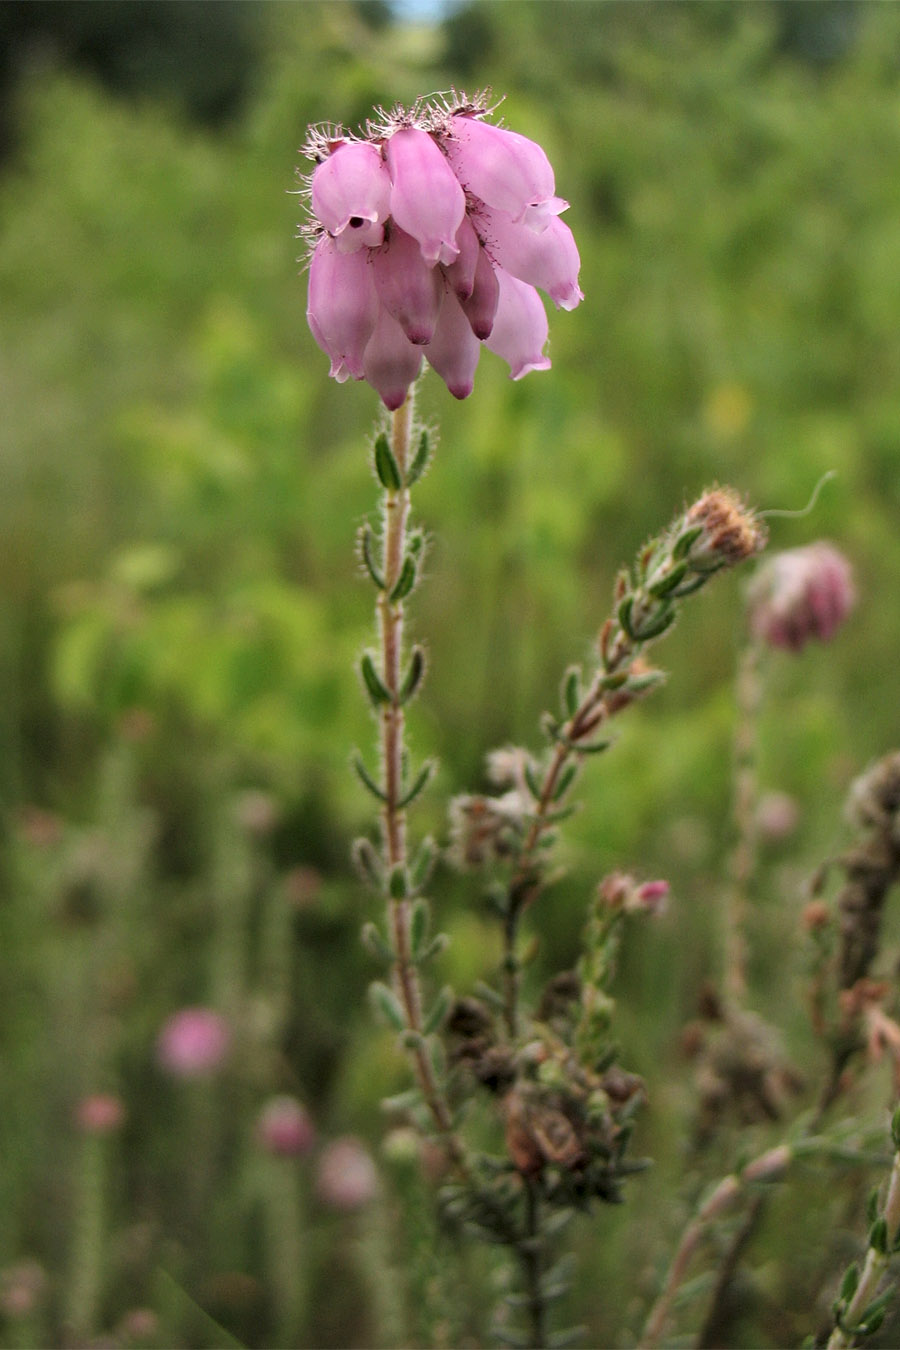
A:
[284,1128]
[193,1043]
[346,1178]
[101,1113]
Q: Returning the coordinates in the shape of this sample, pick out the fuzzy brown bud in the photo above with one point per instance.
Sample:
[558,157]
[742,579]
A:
[731,532]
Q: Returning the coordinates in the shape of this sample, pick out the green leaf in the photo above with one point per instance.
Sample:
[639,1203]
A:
[439,943]
[895,1128]
[405,581]
[849,1283]
[564,782]
[571,691]
[377,691]
[422,780]
[685,541]
[422,863]
[624,615]
[366,778]
[668,582]
[367,553]
[413,677]
[398,882]
[656,624]
[386,466]
[386,1002]
[878,1236]
[375,943]
[419,922]
[420,460]
[367,862]
[438,1011]
[532,781]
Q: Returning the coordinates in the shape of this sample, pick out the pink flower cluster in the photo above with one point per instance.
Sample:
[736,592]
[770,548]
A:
[430,234]
[800,595]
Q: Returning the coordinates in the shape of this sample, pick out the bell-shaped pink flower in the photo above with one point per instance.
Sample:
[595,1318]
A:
[391,361]
[520,327]
[501,167]
[408,288]
[461,272]
[480,307]
[548,259]
[342,306]
[454,350]
[426,198]
[351,195]
[801,595]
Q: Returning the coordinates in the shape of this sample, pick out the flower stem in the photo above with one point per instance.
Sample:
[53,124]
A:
[392,729]
[876,1263]
[742,862]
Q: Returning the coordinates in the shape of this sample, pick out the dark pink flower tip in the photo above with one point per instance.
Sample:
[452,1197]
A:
[801,595]
[284,1128]
[346,1178]
[429,208]
[193,1043]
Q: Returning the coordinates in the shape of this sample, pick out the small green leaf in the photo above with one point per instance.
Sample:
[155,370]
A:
[375,943]
[532,781]
[564,782]
[872,1206]
[422,780]
[878,1237]
[398,882]
[420,460]
[656,624]
[386,1002]
[420,868]
[624,615]
[413,677]
[438,1011]
[386,466]
[419,922]
[685,541]
[668,581]
[849,1283]
[895,1128]
[366,778]
[367,553]
[367,862]
[439,943]
[375,688]
[402,1101]
[571,691]
[405,581]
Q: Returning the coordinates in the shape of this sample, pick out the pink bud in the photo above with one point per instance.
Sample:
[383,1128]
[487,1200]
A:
[193,1043]
[549,259]
[461,272]
[342,307]
[346,1178]
[426,199]
[649,898]
[351,195]
[101,1113]
[520,327]
[800,595]
[391,361]
[284,1128]
[501,167]
[454,350]
[409,289]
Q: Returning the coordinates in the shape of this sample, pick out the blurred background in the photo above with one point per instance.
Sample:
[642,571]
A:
[181,608]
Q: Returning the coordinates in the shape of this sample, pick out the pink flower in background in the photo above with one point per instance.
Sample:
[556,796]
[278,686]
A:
[193,1043]
[284,1128]
[429,236]
[101,1113]
[346,1177]
[800,595]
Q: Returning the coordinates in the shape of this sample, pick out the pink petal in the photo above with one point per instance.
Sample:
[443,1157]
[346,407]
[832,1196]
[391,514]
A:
[501,167]
[481,306]
[408,288]
[520,327]
[548,259]
[461,272]
[351,194]
[454,350]
[391,361]
[426,199]
[342,306]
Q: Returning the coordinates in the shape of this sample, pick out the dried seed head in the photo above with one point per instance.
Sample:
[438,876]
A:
[731,531]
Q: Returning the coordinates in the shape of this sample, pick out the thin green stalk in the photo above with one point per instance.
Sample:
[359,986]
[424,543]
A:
[883,1237]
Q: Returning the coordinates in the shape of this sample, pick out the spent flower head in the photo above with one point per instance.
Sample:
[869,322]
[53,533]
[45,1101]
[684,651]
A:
[430,231]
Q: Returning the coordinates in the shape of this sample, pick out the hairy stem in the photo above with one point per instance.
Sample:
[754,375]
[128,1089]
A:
[531,1254]
[876,1263]
[743,856]
[390,619]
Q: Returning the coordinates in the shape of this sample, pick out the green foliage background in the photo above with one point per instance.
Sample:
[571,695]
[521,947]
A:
[180,486]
